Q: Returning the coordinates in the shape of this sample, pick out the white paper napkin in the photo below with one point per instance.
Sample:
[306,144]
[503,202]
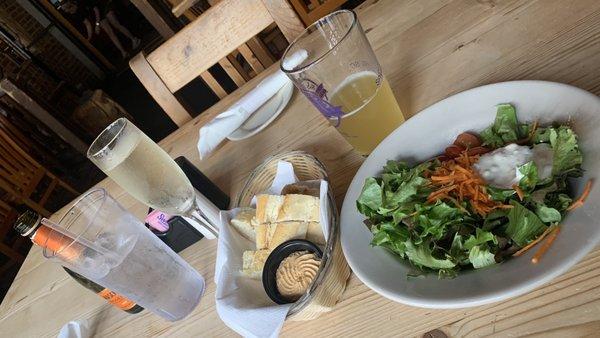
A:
[75,329]
[214,132]
[242,302]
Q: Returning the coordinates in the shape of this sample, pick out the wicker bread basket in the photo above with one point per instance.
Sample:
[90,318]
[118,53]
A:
[330,283]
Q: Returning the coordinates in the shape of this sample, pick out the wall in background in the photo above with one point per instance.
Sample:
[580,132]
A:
[32,35]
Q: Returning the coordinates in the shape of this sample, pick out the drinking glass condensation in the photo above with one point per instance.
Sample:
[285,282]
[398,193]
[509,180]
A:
[102,241]
[343,80]
[148,173]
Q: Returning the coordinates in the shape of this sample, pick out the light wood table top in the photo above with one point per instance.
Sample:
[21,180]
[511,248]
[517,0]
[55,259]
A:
[429,49]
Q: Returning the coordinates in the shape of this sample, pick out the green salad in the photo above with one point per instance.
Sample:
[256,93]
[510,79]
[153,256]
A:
[487,198]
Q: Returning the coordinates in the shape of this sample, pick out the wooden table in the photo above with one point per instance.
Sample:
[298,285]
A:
[428,50]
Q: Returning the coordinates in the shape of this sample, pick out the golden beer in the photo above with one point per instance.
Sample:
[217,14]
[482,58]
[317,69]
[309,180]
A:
[372,112]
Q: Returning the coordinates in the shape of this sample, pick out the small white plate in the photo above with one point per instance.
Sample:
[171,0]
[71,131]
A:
[264,115]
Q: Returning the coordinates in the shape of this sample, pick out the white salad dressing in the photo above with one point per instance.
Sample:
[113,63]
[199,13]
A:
[499,167]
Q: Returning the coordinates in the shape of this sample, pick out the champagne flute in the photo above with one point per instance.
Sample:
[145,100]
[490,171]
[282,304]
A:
[148,173]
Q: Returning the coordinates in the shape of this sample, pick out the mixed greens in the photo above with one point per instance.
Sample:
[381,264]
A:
[441,216]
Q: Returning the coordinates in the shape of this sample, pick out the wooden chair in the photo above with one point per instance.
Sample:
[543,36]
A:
[204,42]
[21,140]
[254,52]
[313,10]
[166,31]
[21,175]
[11,250]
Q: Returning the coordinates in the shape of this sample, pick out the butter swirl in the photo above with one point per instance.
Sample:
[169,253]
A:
[295,274]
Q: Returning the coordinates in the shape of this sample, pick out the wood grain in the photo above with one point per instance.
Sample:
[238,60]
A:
[428,51]
[251,58]
[318,9]
[213,84]
[232,71]
[261,51]
[194,49]
[158,90]
[182,6]
[286,19]
[154,18]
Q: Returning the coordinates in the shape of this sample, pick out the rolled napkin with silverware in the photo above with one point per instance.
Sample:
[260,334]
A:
[215,131]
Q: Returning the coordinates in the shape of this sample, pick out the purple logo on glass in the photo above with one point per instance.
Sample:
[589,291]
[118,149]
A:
[317,94]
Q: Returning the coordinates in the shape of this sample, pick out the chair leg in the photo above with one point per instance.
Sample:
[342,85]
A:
[36,207]
[8,251]
[49,191]
[261,51]
[19,242]
[64,184]
[4,268]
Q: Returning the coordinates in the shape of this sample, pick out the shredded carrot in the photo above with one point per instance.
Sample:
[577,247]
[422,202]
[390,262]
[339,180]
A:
[456,180]
[519,191]
[575,205]
[533,129]
[534,242]
[579,202]
[542,250]
[505,206]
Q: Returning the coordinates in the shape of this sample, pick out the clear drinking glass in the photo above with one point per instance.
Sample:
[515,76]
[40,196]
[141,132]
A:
[148,173]
[343,80]
[102,241]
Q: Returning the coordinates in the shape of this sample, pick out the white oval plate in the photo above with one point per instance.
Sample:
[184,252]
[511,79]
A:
[264,115]
[426,135]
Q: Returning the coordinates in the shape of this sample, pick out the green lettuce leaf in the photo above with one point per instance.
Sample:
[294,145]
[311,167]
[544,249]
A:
[481,237]
[547,214]
[542,135]
[498,194]
[407,190]
[506,124]
[490,138]
[480,257]
[395,167]
[421,256]
[523,224]
[371,197]
[506,127]
[401,187]
[495,219]
[530,176]
[558,201]
[567,156]
[436,220]
[391,236]
[457,251]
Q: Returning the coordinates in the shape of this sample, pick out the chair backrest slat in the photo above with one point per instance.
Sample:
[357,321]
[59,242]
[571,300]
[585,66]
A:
[208,39]
[17,168]
[17,152]
[285,17]
[159,91]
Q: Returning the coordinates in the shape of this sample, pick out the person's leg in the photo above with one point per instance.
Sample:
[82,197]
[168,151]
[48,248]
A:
[114,21]
[111,34]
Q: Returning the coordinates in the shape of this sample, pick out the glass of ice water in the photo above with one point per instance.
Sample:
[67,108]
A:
[108,245]
[148,173]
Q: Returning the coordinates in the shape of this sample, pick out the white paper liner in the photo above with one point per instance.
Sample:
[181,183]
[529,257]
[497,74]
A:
[242,302]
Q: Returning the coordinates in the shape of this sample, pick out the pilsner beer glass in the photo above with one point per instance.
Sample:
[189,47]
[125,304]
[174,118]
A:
[342,78]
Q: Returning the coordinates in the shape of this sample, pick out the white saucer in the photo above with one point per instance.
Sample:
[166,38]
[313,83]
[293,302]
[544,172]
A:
[264,115]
